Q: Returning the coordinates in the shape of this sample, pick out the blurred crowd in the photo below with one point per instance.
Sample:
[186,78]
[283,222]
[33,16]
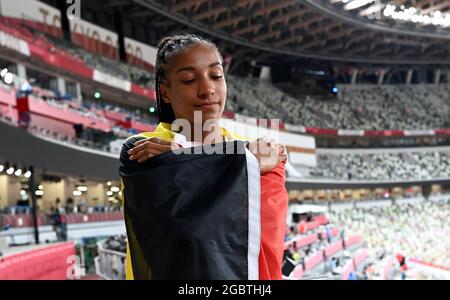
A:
[382,166]
[419,230]
[365,107]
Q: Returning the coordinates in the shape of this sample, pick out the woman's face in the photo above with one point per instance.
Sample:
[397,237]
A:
[195,82]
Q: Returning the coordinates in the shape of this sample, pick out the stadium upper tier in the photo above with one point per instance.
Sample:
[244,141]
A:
[104,64]
[107,65]
[362,107]
[67,57]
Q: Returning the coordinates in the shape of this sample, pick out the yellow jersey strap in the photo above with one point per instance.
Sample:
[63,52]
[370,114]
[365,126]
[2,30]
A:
[163,131]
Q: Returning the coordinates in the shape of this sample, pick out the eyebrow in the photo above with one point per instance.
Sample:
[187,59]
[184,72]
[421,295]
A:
[190,68]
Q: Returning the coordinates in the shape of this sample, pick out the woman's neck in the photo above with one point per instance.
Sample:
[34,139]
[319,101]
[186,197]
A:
[207,133]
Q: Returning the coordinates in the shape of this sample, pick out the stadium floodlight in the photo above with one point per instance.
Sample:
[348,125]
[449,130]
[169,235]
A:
[372,10]
[39,193]
[2,167]
[41,187]
[18,172]
[333,90]
[411,14]
[97,95]
[76,193]
[151,109]
[3,72]
[8,78]
[27,174]
[108,183]
[389,10]
[23,192]
[115,189]
[109,193]
[82,188]
[10,171]
[357,4]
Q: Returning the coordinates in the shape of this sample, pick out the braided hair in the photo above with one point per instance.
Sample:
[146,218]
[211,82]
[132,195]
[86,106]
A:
[168,48]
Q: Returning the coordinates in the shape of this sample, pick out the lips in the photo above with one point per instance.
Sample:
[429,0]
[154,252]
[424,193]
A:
[207,105]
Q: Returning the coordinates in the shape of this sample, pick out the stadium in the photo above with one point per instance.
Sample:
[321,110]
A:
[357,90]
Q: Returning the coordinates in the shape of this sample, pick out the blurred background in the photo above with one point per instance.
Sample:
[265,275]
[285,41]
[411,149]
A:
[361,89]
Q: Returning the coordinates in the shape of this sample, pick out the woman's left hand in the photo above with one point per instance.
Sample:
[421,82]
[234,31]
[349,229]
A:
[268,153]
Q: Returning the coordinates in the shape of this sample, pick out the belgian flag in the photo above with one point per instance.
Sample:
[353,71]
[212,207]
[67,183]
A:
[193,215]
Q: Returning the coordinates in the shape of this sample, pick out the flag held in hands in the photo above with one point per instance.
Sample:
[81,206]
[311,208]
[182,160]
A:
[202,216]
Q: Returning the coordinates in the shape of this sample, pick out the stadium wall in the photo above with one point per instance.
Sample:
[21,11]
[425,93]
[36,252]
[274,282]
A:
[315,184]
[22,147]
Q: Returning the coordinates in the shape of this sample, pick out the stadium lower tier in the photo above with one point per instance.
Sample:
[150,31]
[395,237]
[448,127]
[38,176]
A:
[8,221]
[388,166]
[405,241]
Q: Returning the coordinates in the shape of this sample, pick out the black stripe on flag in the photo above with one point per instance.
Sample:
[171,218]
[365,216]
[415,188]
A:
[193,216]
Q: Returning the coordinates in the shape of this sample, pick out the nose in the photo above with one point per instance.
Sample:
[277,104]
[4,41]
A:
[206,88]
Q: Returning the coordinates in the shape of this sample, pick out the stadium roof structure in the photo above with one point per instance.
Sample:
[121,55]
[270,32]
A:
[361,31]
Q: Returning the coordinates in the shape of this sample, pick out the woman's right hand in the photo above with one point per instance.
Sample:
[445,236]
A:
[147,148]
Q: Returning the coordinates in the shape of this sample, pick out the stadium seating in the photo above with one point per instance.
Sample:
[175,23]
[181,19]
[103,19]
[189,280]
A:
[48,114]
[112,67]
[363,107]
[378,234]
[382,166]
[418,230]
